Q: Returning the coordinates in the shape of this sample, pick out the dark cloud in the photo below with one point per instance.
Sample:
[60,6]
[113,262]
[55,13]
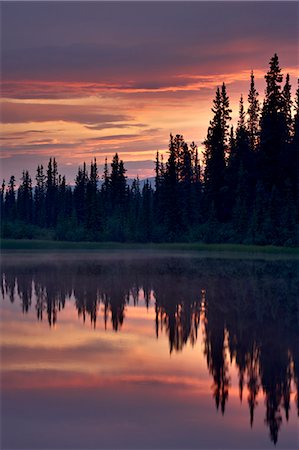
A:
[66,23]
[31,112]
[141,45]
[124,137]
[21,134]
[24,354]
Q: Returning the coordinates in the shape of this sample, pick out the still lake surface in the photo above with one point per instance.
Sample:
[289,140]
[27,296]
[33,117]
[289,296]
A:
[148,350]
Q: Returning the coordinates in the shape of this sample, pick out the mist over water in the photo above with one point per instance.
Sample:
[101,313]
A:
[148,350]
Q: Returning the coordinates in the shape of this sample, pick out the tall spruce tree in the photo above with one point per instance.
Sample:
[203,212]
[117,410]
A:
[80,194]
[10,200]
[2,196]
[147,212]
[239,170]
[253,114]
[135,199]
[118,183]
[92,200]
[159,193]
[287,106]
[51,193]
[215,155]
[293,160]
[273,129]
[171,212]
[25,199]
[40,197]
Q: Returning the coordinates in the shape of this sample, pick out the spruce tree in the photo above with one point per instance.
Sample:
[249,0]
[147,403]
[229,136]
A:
[10,200]
[239,170]
[24,199]
[51,193]
[80,194]
[135,210]
[159,193]
[2,194]
[118,183]
[170,207]
[105,193]
[196,200]
[40,197]
[215,155]
[287,106]
[92,203]
[253,114]
[147,212]
[225,116]
[185,187]
[273,130]
[293,160]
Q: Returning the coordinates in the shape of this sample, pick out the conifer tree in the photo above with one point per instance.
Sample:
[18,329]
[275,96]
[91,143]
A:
[158,174]
[171,204]
[186,180]
[242,143]
[215,154]
[10,200]
[51,193]
[197,174]
[135,209]
[40,197]
[105,193]
[2,194]
[118,183]
[106,179]
[287,106]
[225,117]
[92,204]
[253,114]
[293,160]
[239,170]
[80,194]
[25,200]
[159,193]
[147,212]
[62,198]
[196,200]
[273,129]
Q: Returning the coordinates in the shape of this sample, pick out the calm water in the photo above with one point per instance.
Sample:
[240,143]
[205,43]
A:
[148,351]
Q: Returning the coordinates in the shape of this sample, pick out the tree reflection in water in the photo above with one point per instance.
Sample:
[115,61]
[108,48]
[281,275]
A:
[249,313]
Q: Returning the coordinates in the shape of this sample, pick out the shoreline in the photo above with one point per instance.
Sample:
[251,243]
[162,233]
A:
[11,246]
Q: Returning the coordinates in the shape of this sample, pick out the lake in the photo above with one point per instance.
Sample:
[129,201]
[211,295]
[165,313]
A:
[148,350]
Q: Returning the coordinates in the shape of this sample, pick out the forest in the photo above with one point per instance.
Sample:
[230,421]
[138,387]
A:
[245,191]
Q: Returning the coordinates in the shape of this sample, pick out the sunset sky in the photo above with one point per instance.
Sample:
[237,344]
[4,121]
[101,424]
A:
[90,79]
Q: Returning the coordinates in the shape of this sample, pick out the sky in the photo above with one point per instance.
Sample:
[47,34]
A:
[82,80]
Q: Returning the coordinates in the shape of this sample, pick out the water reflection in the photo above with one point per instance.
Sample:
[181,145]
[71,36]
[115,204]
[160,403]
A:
[248,312]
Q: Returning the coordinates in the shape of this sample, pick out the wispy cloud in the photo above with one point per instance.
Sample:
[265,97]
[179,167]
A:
[31,112]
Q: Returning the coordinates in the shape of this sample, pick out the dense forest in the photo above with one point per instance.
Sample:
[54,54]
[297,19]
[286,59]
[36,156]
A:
[245,192]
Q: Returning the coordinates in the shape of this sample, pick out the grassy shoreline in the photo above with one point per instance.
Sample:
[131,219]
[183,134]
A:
[31,245]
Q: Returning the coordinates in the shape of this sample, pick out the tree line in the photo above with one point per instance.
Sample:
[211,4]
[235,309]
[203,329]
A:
[245,191]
